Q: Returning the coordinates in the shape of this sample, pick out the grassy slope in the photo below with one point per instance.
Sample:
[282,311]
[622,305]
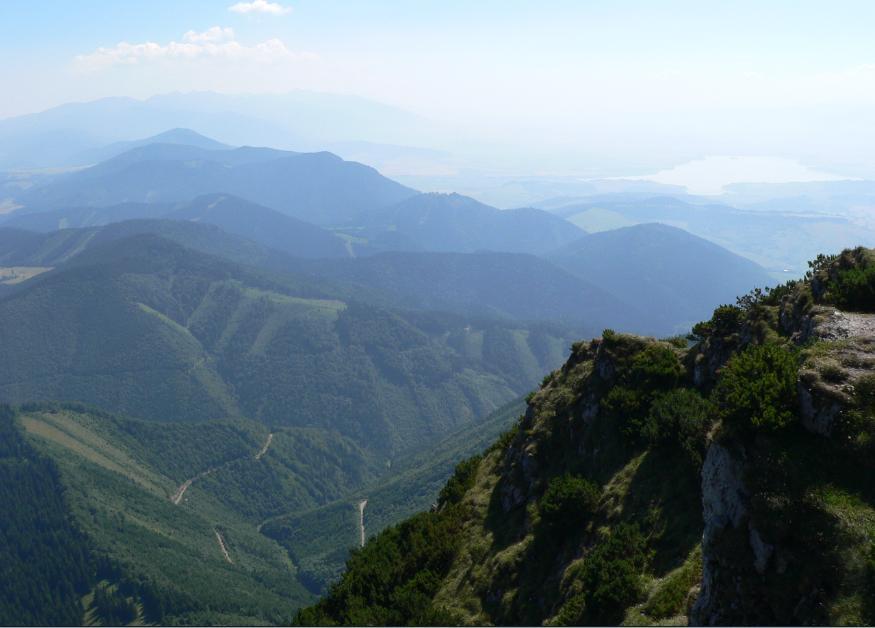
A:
[508,569]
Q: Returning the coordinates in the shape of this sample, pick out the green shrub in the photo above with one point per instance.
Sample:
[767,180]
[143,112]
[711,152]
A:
[572,612]
[857,425]
[679,342]
[670,598]
[462,480]
[864,392]
[854,289]
[612,574]
[622,402]
[680,419]
[757,388]
[774,295]
[650,372]
[752,299]
[392,580]
[725,321]
[568,502]
[833,373]
[657,366]
[818,264]
[505,439]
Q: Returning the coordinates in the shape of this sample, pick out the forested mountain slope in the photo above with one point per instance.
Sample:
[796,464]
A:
[727,482]
[647,279]
[505,285]
[233,215]
[320,539]
[44,557]
[263,225]
[143,326]
[119,520]
[145,505]
[489,285]
[676,277]
[456,223]
[78,217]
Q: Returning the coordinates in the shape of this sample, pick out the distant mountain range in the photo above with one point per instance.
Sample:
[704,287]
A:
[75,134]
[510,287]
[648,279]
[234,215]
[451,222]
[318,187]
[185,137]
[676,277]
[617,275]
[777,235]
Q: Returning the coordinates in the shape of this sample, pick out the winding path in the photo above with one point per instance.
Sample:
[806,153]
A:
[265,448]
[176,498]
[362,505]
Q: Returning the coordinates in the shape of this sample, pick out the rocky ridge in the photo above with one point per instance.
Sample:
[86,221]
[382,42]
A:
[720,481]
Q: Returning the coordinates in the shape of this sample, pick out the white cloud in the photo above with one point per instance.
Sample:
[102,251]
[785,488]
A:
[214,34]
[260,6]
[215,43]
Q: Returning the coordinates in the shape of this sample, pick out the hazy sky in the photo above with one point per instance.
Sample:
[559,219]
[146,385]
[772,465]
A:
[636,83]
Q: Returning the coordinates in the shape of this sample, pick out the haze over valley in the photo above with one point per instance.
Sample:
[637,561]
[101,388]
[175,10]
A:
[309,317]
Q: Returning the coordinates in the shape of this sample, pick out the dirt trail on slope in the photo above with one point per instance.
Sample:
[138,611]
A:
[362,505]
[180,492]
[265,448]
[176,498]
[223,546]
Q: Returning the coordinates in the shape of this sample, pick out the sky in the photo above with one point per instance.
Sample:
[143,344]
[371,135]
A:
[632,87]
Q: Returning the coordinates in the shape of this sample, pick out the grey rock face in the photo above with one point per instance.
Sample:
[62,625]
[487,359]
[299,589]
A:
[724,503]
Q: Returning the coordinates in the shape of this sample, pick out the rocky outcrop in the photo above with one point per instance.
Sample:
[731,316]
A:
[832,324]
[819,405]
[724,497]
[827,383]
[762,551]
[724,504]
[519,466]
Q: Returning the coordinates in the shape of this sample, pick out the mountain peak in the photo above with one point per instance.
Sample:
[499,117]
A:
[181,135]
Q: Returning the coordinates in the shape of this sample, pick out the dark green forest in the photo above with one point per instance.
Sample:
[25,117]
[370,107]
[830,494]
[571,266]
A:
[45,564]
